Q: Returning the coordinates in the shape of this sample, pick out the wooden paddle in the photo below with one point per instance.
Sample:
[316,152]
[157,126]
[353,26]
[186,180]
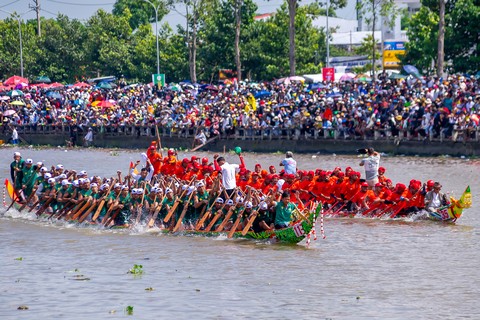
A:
[44,206]
[90,209]
[249,224]
[184,211]
[206,212]
[107,215]
[159,207]
[26,201]
[177,201]
[102,202]
[87,204]
[235,224]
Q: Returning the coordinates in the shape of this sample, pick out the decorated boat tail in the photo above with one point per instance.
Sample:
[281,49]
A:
[453,211]
[298,231]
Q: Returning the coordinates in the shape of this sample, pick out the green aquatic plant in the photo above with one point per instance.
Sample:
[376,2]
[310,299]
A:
[19,259]
[129,310]
[136,270]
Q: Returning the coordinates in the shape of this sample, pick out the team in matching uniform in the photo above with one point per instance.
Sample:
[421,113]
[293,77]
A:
[190,194]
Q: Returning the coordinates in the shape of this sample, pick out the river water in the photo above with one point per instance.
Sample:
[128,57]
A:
[364,269]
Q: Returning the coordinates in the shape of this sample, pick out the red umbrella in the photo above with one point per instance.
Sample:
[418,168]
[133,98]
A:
[105,104]
[81,85]
[13,81]
[56,85]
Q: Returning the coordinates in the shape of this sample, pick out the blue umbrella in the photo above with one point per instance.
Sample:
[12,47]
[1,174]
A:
[334,95]
[411,70]
[262,94]
[54,95]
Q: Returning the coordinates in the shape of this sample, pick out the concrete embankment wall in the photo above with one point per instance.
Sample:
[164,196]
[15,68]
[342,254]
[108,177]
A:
[322,146]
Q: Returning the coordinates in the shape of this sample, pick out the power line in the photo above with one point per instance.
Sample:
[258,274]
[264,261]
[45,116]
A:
[82,4]
[6,5]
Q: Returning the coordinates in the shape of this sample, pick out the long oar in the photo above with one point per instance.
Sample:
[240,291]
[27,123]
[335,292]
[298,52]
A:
[235,224]
[102,202]
[26,201]
[225,220]
[184,211]
[205,214]
[249,224]
[177,201]
[107,215]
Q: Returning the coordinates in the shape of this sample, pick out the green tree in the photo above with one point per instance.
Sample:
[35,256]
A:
[108,44]
[293,6]
[374,10]
[421,49]
[366,48]
[141,11]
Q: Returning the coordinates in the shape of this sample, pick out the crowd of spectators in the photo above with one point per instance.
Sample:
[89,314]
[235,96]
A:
[424,108]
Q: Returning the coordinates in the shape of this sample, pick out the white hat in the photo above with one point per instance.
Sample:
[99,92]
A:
[139,191]
[39,164]
[219,200]
[62,176]
[82,173]
[29,161]
[81,180]
[200,184]
[263,206]
[86,180]
[158,190]
[104,186]
[47,175]
[239,200]
[17,154]
[229,202]
[248,205]
[184,187]
[93,185]
[65,182]
[59,166]
[168,190]
[43,169]
[117,185]
[75,183]
[124,187]
[51,180]
[134,191]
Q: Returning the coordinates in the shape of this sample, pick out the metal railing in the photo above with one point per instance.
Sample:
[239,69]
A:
[241,133]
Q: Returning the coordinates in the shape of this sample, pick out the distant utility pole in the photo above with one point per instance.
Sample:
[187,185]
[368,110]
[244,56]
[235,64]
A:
[36,7]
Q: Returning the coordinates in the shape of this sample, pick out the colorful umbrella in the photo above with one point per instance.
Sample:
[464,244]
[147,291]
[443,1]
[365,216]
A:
[56,85]
[104,104]
[81,85]
[15,93]
[347,77]
[13,81]
[17,103]
[9,112]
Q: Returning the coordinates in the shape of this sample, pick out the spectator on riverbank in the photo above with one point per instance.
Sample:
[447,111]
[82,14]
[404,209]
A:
[427,108]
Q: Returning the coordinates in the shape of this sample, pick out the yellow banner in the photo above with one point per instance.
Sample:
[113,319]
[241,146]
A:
[390,58]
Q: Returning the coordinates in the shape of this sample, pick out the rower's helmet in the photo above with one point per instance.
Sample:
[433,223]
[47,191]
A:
[171,152]
[205,160]
[229,202]
[430,183]
[51,180]
[381,169]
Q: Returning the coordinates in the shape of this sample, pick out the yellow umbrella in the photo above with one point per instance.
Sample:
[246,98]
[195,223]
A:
[17,103]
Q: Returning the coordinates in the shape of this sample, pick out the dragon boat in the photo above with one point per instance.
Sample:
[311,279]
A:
[294,234]
[447,214]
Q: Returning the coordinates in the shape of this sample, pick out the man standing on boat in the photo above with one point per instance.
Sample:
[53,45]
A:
[227,172]
[289,163]
[435,199]
[16,170]
[283,211]
[371,163]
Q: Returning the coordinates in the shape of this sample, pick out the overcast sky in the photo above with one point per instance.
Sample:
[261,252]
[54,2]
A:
[83,9]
